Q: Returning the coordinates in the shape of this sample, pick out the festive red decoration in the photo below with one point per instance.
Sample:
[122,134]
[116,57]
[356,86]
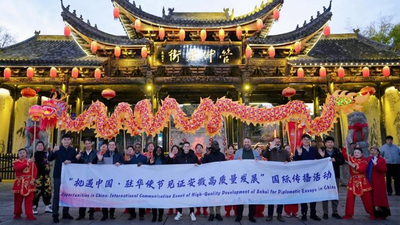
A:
[28,92]
[94,47]
[365,72]
[7,73]
[221,35]
[271,52]
[138,25]
[203,35]
[327,31]
[297,47]
[67,31]
[288,92]
[367,90]
[249,52]
[386,71]
[182,35]
[161,33]
[143,52]
[30,73]
[340,72]
[322,72]
[53,73]
[259,24]
[117,52]
[108,93]
[97,74]
[295,131]
[239,32]
[116,13]
[300,73]
[36,112]
[276,14]
[75,73]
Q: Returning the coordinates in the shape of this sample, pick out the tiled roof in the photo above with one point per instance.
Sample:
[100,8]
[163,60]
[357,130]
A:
[96,34]
[181,21]
[42,50]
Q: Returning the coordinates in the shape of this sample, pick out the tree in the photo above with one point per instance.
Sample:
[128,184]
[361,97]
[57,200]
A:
[395,34]
[6,38]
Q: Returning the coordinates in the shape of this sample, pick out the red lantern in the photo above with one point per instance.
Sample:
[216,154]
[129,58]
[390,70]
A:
[143,52]
[138,25]
[28,92]
[203,35]
[75,73]
[53,73]
[367,90]
[239,32]
[249,52]
[97,74]
[117,52]
[288,92]
[271,52]
[108,93]
[322,72]
[67,31]
[161,33]
[36,112]
[259,24]
[386,71]
[276,14]
[297,47]
[221,35]
[93,47]
[340,72]
[116,13]
[7,73]
[300,73]
[182,35]
[30,73]
[327,31]
[365,72]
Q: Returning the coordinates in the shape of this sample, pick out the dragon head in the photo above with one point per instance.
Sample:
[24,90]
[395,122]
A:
[348,102]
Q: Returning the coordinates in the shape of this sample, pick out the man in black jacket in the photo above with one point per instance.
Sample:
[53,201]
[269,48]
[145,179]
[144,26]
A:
[63,154]
[88,156]
[337,160]
[215,156]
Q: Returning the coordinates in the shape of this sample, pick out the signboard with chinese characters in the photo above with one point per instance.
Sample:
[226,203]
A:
[198,55]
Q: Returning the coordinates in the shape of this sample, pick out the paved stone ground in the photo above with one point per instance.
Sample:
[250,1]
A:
[361,218]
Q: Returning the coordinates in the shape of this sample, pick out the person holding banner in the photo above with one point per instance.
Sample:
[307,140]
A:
[138,159]
[158,159]
[24,184]
[63,154]
[112,156]
[185,157]
[306,152]
[149,151]
[329,151]
[246,153]
[174,150]
[277,154]
[230,155]
[199,154]
[358,184]
[376,176]
[291,209]
[43,180]
[215,156]
[88,156]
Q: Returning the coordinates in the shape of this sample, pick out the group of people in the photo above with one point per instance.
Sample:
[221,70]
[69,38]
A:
[367,176]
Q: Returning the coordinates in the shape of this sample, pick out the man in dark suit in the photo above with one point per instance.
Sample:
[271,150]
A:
[306,152]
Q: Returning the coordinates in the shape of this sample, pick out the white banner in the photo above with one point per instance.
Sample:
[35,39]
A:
[179,186]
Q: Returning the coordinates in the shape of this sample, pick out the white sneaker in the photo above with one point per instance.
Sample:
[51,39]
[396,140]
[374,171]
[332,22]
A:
[34,210]
[287,215]
[178,216]
[48,209]
[192,217]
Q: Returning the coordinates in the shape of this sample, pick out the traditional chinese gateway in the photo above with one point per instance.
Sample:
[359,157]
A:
[189,56]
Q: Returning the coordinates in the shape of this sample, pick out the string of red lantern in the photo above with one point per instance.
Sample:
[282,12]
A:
[53,73]
[117,52]
[322,72]
[327,31]
[386,71]
[116,13]
[271,52]
[143,52]
[203,35]
[249,52]
[94,47]
[30,73]
[340,72]
[297,47]
[97,74]
[138,25]
[182,35]
[161,33]
[365,72]
[75,73]
[108,93]
[221,35]
[239,32]
[7,73]
[300,73]
[67,31]
[276,14]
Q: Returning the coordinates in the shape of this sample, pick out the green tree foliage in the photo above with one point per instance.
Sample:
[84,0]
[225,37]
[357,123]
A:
[384,31]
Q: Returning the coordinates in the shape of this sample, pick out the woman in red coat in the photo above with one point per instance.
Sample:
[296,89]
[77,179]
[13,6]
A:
[24,185]
[358,184]
[376,176]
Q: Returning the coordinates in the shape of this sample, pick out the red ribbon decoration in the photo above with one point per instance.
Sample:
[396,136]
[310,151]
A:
[31,130]
[357,127]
